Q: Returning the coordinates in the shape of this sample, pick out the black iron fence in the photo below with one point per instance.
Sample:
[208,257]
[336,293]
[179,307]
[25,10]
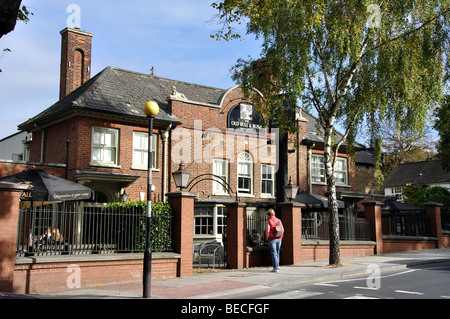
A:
[75,229]
[313,228]
[445,221]
[406,225]
[256,229]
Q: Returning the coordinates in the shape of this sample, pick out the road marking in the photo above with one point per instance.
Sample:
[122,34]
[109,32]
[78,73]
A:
[409,292]
[295,294]
[325,284]
[446,297]
[367,288]
[360,297]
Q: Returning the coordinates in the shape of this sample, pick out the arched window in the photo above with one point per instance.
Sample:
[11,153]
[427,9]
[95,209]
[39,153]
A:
[245,173]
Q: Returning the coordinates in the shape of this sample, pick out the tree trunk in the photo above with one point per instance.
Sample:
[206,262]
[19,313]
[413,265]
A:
[334,257]
[282,173]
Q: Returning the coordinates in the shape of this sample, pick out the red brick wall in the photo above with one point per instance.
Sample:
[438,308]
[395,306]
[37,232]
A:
[183,229]
[9,214]
[236,234]
[79,131]
[317,252]
[31,278]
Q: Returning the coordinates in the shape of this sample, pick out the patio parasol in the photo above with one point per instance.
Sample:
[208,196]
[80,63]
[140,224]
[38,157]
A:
[315,201]
[44,187]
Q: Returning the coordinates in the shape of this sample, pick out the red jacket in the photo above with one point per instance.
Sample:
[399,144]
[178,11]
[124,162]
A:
[271,223]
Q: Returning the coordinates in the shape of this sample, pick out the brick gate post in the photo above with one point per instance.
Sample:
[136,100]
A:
[433,211]
[372,211]
[236,235]
[182,204]
[291,217]
[9,217]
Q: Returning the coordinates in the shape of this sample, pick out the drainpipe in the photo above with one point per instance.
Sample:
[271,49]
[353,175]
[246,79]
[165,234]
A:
[165,139]
[67,155]
[42,141]
[309,166]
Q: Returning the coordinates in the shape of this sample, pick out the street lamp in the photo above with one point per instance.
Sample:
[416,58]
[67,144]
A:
[290,190]
[181,177]
[151,109]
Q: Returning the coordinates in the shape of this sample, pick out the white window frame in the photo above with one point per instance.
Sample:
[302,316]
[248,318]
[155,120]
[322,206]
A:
[317,170]
[103,147]
[140,150]
[221,169]
[245,163]
[265,179]
[343,171]
[209,221]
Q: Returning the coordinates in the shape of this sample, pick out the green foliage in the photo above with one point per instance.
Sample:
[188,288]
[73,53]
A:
[412,194]
[160,223]
[355,63]
[418,196]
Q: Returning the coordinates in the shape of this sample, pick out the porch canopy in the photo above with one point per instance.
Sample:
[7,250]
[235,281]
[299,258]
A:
[43,187]
[315,202]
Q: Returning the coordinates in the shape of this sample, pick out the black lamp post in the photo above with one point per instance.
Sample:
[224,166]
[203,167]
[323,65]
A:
[290,190]
[151,109]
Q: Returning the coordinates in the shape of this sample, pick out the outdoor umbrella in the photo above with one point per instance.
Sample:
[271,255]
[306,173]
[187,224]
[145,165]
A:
[393,206]
[315,201]
[43,187]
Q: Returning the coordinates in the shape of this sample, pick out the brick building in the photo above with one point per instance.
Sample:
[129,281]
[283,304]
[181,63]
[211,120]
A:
[98,131]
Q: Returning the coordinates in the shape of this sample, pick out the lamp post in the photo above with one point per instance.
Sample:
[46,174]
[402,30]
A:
[151,109]
[290,190]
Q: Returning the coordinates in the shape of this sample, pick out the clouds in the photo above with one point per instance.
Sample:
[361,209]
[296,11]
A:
[173,36]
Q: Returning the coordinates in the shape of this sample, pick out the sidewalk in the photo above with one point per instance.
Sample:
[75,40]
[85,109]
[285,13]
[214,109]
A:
[222,282]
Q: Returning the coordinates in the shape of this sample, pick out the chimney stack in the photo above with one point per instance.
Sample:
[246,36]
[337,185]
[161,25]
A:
[75,60]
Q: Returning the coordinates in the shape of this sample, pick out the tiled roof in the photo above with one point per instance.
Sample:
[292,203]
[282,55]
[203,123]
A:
[418,173]
[122,92]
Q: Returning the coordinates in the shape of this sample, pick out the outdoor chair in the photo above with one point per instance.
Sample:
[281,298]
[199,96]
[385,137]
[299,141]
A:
[210,252]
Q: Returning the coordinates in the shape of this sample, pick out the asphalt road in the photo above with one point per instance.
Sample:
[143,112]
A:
[430,281]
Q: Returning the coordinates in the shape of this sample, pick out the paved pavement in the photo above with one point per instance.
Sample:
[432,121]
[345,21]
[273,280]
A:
[209,284]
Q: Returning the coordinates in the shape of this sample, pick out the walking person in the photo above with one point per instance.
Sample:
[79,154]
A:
[273,239]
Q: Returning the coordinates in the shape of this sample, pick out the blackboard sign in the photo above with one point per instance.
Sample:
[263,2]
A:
[243,117]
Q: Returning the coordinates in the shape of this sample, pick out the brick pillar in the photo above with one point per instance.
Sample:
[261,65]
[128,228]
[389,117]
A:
[9,217]
[236,235]
[433,211]
[372,211]
[182,204]
[291,246]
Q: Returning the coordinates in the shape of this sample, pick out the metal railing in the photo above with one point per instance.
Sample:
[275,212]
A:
[63,229]
[348,229]
[258,223]
[315,228]
[406,225]
[445,221]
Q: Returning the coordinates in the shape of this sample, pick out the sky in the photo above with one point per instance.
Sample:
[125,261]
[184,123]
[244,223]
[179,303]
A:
[172,36]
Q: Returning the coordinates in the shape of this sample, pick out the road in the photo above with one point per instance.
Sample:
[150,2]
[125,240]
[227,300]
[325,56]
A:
[430,281]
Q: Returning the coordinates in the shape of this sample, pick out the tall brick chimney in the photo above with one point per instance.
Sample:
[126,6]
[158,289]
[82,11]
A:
[75,59]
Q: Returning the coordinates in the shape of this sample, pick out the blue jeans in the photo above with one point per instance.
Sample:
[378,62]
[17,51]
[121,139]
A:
[275,246]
